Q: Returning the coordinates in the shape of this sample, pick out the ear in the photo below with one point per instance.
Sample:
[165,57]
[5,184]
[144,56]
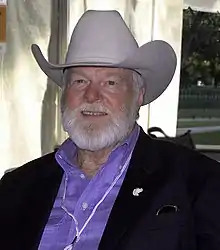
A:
[141,96]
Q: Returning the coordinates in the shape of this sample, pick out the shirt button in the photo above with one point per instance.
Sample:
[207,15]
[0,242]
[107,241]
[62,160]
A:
[82,176]
[60,156]
[85,205]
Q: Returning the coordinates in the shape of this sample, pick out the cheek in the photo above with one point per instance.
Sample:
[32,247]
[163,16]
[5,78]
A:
[117,101]
[118,106]
[112,101]
[72,99]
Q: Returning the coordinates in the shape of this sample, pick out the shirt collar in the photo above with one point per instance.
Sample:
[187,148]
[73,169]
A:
[67,151]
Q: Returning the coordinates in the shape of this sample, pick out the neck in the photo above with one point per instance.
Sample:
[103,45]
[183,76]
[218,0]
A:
[90,162]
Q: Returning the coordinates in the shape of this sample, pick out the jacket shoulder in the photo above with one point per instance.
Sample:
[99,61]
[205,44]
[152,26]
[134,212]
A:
[31,171]
[177,161]
[190,159]
[195,168]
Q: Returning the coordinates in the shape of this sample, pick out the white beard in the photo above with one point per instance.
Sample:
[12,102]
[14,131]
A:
[91,136]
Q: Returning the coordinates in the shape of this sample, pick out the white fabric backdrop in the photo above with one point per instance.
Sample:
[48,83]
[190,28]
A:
[22,84]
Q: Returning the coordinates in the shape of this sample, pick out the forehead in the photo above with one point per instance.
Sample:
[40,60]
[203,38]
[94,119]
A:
[99,71]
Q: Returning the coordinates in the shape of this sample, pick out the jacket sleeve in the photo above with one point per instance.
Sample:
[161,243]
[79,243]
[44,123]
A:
[207,206]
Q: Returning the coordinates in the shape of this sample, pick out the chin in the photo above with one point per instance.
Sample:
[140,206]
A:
[95,136]
[93,127]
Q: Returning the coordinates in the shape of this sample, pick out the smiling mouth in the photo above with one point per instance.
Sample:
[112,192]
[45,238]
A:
[92,113]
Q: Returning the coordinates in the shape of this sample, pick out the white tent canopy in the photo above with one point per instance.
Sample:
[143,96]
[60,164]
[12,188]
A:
[203,5]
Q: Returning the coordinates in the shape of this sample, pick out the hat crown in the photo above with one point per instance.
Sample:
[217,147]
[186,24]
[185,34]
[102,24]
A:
[100,37]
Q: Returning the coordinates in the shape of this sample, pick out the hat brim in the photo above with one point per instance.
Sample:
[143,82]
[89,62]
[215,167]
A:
[155,61]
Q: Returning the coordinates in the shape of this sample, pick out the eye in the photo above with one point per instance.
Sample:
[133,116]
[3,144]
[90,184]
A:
[111,83]
[79,81]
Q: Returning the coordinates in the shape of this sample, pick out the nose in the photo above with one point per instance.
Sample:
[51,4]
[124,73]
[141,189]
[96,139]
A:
[92,93]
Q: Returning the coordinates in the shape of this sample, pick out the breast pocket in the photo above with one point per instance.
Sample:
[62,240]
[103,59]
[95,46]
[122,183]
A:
[166,217]
[164,231]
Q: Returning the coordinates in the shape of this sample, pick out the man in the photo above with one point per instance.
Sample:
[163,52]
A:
[110,186]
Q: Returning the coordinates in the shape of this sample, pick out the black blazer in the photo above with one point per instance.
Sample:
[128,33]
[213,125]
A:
[179,208]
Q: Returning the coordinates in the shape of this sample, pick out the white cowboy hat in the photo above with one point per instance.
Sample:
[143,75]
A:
[101,38]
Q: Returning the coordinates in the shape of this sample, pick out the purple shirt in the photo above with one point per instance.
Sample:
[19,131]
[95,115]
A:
[82,195]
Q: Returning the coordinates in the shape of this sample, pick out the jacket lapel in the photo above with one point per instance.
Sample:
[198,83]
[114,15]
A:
[143,173]
[43,202]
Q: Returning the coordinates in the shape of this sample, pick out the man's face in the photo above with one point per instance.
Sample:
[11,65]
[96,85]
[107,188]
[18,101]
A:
[99,102]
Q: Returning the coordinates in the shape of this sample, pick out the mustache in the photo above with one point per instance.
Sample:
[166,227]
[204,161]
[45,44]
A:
[95,107]
[70,116]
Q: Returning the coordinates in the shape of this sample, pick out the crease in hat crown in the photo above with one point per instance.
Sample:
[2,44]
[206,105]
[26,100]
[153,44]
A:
[102,38]
[112,42]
